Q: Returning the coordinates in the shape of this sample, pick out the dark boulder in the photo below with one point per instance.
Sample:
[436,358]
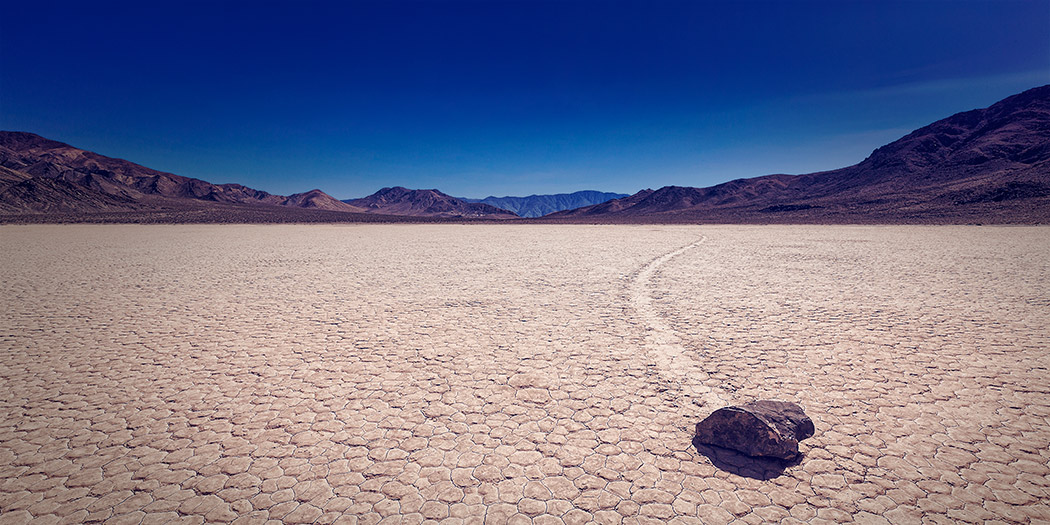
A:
[762,428]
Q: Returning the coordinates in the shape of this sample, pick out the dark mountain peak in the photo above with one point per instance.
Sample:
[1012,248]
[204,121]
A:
[399,200]
[26,140]
[1002,133]
[1038,95]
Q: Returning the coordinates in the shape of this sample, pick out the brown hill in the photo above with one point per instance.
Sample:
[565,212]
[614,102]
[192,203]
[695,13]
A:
[39,175]
[985,165]
[425,203]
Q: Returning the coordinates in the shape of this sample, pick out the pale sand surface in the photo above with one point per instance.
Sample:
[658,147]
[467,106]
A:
[406,373]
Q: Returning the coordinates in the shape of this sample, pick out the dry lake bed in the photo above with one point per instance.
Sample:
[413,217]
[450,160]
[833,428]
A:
[520,373]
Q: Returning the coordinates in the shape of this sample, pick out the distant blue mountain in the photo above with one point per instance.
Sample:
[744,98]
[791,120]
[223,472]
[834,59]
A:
[539,205]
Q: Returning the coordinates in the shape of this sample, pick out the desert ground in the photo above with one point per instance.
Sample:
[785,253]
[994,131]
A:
[520,373]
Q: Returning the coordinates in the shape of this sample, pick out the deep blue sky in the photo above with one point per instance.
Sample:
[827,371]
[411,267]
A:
[480,98]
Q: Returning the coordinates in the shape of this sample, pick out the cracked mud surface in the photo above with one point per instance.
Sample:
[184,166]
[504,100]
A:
[519,373]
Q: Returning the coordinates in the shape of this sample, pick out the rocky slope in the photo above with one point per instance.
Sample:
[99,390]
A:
[539,205]
[985,165]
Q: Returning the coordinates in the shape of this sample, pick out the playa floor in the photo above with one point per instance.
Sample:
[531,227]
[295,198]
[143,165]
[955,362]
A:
[520,373]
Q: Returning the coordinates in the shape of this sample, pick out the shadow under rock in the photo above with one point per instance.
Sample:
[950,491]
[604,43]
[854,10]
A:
[743,465]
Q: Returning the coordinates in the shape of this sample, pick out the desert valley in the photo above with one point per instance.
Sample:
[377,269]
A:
[174,350]
[507,373]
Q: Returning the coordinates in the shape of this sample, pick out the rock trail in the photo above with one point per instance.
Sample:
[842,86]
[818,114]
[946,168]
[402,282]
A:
[674,363]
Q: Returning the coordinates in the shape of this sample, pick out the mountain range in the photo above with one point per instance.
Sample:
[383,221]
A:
[540,205]
[985,165]
[42,180]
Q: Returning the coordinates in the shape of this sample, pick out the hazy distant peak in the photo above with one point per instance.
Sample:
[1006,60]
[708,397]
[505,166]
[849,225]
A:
[539,205]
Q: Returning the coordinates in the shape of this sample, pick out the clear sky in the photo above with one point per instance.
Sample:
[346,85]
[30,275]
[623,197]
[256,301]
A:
[505,98]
